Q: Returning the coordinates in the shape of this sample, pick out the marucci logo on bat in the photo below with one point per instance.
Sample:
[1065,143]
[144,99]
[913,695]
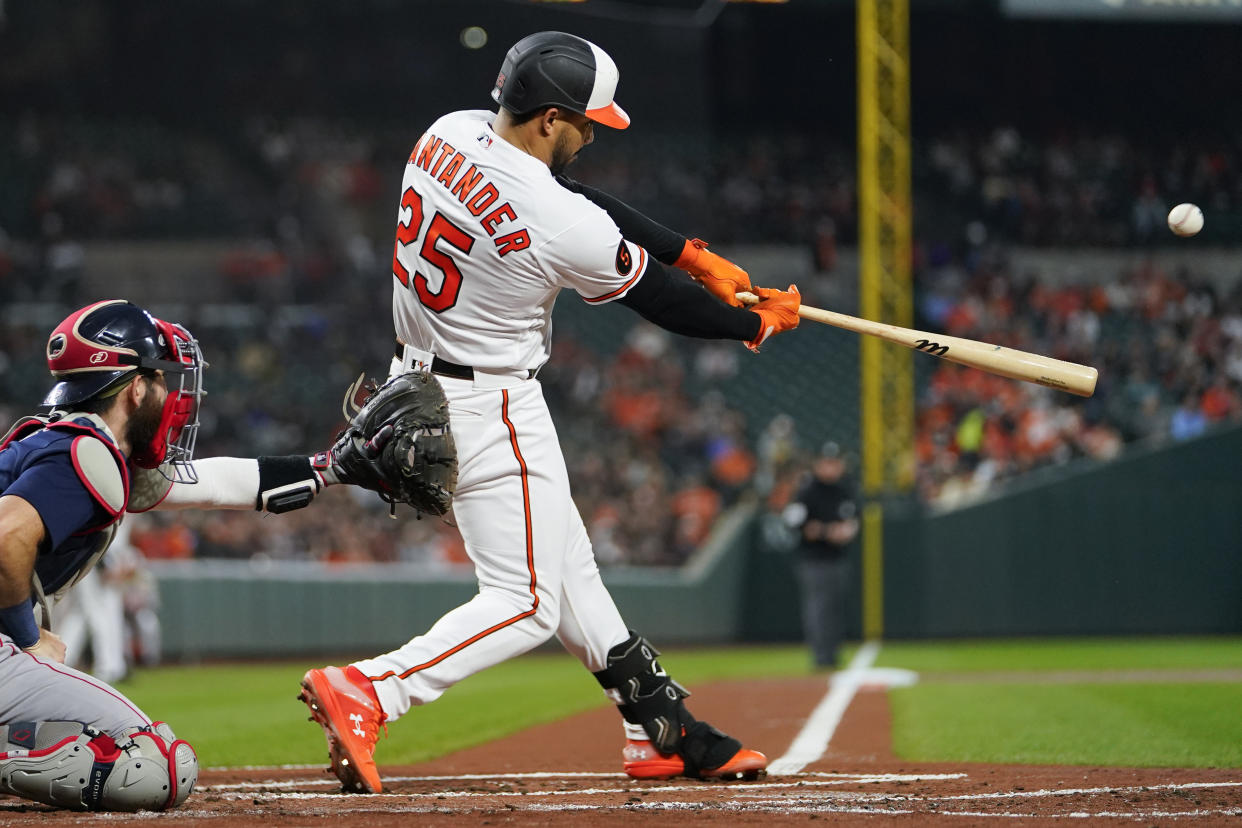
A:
[930,347]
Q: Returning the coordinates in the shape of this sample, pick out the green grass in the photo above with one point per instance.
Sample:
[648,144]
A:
[1132,725]
[246,714]
[988,655]
[1154,724]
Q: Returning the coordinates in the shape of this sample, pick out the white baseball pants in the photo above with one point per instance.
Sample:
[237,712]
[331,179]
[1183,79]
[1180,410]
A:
[534,563]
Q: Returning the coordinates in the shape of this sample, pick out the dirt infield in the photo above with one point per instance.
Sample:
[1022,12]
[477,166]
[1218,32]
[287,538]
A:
[569,774]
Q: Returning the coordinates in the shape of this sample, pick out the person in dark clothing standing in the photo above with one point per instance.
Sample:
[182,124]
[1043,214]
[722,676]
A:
[824,514]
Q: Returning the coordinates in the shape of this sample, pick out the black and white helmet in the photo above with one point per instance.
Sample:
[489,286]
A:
[559,69]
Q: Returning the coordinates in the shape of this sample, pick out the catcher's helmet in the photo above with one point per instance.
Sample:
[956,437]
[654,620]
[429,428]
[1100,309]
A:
[101,347]
[558,69]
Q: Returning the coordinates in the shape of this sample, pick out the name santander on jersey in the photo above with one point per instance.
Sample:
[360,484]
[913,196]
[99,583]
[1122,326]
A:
[470,201]
[447,166]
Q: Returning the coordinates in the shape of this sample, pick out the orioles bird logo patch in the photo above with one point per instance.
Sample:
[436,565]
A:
[624,260]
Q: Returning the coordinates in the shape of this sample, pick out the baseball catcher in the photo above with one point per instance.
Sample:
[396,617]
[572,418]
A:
[399,445]
[118,437]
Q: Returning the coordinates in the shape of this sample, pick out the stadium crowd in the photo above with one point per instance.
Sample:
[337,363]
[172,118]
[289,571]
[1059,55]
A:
[652,464]
[1084,188]
[324,181]
[1168,347]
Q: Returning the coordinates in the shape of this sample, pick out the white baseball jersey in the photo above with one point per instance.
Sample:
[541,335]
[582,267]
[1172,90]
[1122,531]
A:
[486,239]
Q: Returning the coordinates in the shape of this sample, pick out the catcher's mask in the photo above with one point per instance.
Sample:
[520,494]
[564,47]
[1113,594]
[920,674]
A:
[558,69]
[99,349]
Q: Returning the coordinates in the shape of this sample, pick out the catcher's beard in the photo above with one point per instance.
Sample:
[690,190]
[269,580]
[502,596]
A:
[144,422]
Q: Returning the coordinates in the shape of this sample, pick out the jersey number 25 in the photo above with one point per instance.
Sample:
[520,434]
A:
[440,228]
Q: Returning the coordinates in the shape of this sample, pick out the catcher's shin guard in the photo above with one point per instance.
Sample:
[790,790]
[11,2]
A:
[680,745]
[71,765]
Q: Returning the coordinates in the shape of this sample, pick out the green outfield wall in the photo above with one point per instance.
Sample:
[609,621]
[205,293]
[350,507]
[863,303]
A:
[1151,543]
[249,609]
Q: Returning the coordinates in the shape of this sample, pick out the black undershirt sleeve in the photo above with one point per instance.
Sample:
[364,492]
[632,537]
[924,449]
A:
[675,304]
[662,243]
[680,305]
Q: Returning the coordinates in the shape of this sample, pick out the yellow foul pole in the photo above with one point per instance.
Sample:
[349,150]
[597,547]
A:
[885,281]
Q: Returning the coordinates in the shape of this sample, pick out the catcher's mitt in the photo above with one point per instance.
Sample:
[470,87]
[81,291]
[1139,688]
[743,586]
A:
[399,444]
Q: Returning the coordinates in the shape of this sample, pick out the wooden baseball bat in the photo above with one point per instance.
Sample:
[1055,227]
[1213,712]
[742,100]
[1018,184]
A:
[995,359]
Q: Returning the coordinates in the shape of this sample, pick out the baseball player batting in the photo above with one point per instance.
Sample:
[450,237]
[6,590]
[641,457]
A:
[118,437]
[488,234]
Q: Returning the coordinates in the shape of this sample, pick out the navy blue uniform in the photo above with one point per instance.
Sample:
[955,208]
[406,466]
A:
[39,467]
[39,470]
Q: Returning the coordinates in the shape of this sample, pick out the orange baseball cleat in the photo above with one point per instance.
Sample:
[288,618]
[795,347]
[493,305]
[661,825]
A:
[643,761]
[344,704]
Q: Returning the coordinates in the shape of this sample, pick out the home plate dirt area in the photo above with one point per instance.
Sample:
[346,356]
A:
[569,773]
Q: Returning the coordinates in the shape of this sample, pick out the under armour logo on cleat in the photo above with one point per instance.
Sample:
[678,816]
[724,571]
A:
[357,720]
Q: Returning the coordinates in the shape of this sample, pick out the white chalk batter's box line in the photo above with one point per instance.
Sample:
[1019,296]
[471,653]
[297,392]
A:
[782,808]
[758,797]
[837,779]
[727,807]
[859,796]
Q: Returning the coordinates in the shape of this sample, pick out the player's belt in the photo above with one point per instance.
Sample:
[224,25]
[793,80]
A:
[452,369]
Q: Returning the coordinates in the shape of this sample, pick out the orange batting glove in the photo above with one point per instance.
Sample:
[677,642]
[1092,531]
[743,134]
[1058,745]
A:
[778,312]
[719,275]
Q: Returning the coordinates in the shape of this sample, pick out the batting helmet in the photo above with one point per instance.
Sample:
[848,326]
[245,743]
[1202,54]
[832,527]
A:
[558,69]
[103,346]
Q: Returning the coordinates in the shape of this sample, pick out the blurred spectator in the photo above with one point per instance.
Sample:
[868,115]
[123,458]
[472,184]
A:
[1188,420]
[1220,401]
[140,599]
[694,507]
[92,618]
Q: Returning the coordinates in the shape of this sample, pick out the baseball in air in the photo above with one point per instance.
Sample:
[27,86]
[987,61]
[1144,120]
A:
[1185,219]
